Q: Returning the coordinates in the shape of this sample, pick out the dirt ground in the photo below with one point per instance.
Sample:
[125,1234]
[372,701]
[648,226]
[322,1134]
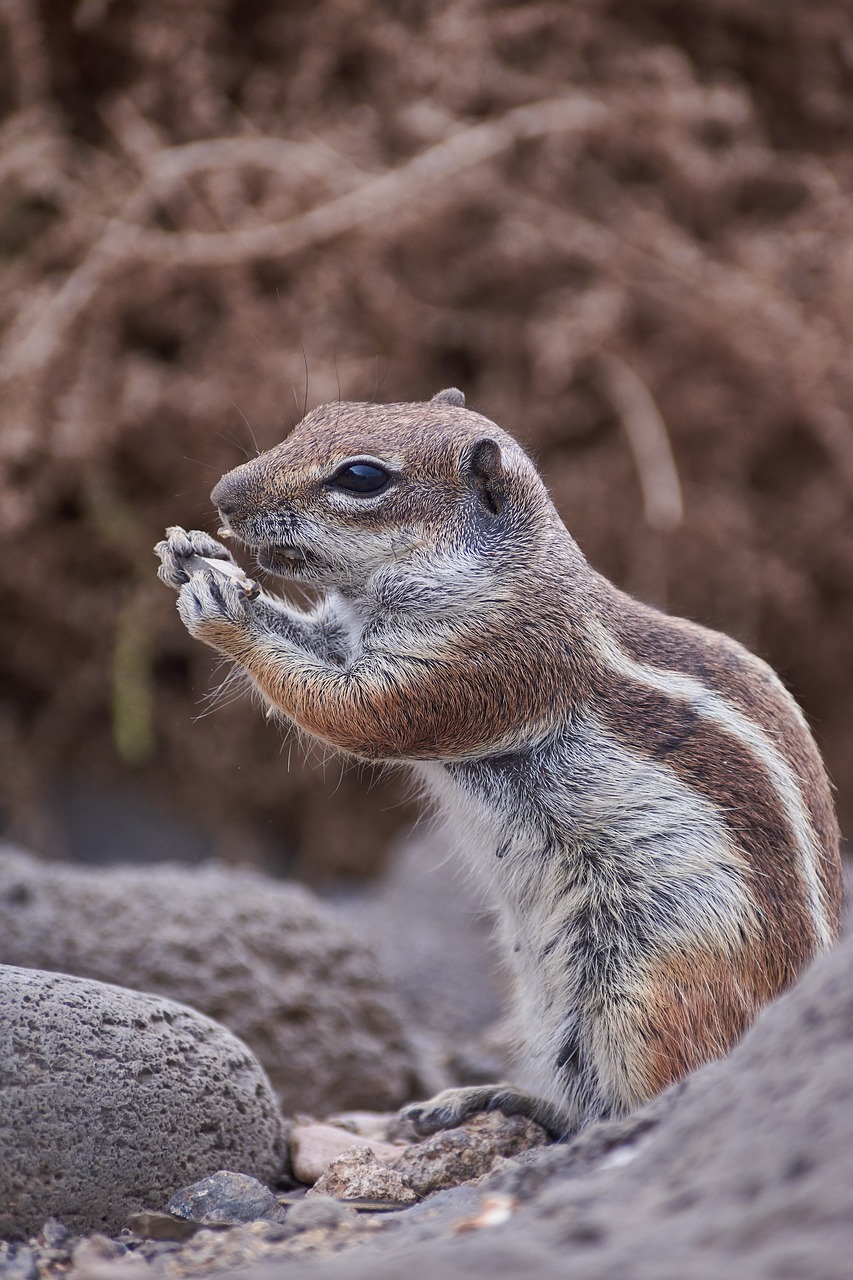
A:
[624,229]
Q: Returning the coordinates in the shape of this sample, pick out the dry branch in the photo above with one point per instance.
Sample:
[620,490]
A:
[36,338]
[649,441]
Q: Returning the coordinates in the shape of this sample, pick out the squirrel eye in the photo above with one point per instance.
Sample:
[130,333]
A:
[361,477]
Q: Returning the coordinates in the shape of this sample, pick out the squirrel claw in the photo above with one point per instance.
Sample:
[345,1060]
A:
[178,550]
[210,600]
[453,1107]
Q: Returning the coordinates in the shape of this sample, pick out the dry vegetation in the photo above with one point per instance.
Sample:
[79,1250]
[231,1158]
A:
[623,228]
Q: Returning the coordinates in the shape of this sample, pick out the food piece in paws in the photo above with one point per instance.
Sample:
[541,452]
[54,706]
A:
[194,564]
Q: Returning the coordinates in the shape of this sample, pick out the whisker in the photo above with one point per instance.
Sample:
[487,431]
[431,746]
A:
[248,426]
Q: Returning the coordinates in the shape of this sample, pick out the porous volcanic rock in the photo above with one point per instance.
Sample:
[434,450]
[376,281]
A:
[265,958]
[110,1100]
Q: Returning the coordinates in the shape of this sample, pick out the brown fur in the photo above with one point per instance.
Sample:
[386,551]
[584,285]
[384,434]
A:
[403,714]
[696,1006]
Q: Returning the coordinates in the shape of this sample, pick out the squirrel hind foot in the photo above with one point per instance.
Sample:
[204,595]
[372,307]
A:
[452,1107]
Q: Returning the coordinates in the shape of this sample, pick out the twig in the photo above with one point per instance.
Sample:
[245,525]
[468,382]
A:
[37,337]
[649,442]
[656,257]
[377,197]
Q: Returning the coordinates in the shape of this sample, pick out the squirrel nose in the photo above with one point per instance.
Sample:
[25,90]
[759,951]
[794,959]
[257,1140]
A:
[228,495]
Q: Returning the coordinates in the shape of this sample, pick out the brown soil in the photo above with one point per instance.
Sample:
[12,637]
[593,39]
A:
[623,228]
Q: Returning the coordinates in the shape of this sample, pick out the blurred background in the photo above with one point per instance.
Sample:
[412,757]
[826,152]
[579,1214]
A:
[622,227]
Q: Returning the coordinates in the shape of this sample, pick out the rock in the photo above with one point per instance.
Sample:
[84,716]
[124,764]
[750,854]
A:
[456,1155]
[153,1225]
[319,1213]
[313,1147]
[18,1263]
[367,1124]
[267,959]
[110,1098]
[358,1175]
[429,926]
[94,1249]
[54,1234]
[744,1169]
[224,1199]
[231,1251]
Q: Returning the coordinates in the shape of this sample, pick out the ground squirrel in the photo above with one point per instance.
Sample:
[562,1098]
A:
[641,795]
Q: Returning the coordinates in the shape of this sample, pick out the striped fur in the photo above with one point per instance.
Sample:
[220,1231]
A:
[641,797]
[711,707]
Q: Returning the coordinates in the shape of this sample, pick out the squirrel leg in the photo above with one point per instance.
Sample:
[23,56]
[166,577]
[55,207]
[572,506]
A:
[368,703]
[217,610]
[453,1106]
[297,663]
[207,599]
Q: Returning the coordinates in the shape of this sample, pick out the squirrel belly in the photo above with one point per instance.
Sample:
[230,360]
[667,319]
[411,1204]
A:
[640,797]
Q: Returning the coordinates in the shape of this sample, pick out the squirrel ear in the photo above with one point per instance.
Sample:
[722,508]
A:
[488,475]
[452,395]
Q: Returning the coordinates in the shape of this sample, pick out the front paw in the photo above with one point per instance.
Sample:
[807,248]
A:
[176,552]
[215,609]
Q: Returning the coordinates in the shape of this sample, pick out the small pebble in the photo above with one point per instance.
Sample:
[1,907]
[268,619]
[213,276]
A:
[96,1248]
[55,1234]
[494,1212]
[151,1225]
[358,1175]
[313,1147]
[320,1211]
[223,1199]
[19,1264]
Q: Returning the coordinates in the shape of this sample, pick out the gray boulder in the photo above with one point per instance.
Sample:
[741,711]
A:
[111,1100]
[266,959]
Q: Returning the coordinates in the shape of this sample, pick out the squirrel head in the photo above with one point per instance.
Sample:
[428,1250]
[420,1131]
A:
[383,495]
